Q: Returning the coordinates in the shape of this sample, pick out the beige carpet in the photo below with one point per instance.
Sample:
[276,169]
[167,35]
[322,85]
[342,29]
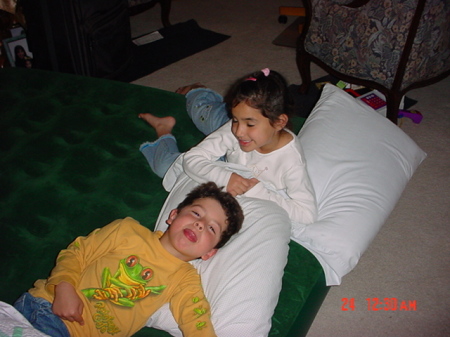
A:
[410,258]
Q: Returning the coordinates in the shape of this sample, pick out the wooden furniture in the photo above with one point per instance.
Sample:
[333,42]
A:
[139,6]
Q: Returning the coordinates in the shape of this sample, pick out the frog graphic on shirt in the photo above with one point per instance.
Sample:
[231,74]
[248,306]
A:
[127,285]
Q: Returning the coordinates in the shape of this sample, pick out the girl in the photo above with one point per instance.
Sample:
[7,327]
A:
[255,137]
[20,56]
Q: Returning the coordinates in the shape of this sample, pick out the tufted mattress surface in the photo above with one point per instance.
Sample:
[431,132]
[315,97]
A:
[69,163]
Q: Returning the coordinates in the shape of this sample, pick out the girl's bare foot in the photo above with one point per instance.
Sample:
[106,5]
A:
[162,125]
[184,90]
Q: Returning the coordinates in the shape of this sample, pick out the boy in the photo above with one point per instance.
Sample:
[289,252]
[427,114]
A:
[111,281]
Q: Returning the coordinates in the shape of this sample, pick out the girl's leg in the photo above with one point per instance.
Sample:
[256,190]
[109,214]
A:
[161,153]
[206,109]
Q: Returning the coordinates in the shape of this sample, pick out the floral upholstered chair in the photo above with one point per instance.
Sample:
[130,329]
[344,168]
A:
[391,45]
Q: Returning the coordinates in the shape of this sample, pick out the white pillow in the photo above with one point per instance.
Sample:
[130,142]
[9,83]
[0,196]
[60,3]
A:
[359,163]
[243,280]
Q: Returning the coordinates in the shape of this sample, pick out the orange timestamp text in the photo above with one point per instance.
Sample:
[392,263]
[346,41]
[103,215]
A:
[380,304]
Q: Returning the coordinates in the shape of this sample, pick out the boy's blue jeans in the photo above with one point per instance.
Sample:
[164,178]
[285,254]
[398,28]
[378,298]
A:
[208,112]
[39,313]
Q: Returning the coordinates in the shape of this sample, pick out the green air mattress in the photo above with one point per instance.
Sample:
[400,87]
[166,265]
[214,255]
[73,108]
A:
[70,163]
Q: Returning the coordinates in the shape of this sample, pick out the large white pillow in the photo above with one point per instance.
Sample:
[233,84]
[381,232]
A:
[359,163]
[242,293]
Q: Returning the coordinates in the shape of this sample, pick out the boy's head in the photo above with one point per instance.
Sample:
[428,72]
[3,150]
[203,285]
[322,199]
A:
[202,223]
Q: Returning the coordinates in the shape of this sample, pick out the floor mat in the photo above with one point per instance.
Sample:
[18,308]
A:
[178,42]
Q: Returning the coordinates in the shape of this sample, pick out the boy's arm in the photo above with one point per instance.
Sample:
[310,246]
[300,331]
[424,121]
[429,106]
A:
[191,309]
[65,276]
[84,250]
[67,304]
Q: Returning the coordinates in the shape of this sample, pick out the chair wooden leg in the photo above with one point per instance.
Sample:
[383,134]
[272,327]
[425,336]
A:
[304,68]
[393,100]
[165,10]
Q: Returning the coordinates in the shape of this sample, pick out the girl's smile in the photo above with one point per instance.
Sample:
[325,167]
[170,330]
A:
[243,143]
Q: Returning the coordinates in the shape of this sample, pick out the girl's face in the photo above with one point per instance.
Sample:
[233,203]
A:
[20,53]
[253,130]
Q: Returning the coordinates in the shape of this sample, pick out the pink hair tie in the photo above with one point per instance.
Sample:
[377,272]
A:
[266,71]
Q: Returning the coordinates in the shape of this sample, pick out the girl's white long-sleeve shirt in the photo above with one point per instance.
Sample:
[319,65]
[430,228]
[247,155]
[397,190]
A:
[282,173]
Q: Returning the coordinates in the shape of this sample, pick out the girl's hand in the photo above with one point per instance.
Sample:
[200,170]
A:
[238,185]
[67,304]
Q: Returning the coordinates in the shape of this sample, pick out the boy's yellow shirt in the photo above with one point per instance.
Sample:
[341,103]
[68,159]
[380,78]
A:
[123,275]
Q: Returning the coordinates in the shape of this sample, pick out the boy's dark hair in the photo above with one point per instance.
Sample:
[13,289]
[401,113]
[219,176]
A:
[267,93]
[233,210]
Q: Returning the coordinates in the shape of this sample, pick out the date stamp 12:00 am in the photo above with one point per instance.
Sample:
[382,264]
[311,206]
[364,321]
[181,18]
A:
[380,304]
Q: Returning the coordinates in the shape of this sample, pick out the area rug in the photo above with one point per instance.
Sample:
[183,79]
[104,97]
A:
[177,42]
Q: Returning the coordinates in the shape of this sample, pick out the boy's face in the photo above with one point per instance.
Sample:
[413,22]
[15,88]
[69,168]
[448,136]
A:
[195,230]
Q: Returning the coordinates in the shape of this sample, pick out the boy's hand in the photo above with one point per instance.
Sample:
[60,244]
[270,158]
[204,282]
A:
[239,185]
[67,304]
